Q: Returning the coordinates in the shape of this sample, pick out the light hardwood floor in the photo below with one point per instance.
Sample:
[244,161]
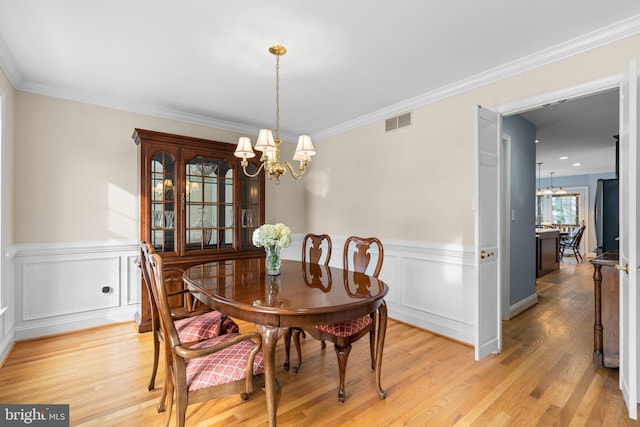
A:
[544,376]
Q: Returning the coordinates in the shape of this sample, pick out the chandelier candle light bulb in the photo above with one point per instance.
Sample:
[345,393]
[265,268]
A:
[270,146]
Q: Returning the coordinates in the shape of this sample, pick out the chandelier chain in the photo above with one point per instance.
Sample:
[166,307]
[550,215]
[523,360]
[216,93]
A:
[277,97]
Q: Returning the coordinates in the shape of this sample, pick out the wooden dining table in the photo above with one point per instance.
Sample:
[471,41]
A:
[303,295]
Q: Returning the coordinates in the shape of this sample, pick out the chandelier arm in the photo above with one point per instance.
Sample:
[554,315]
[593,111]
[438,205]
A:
[244,168]
[293,172]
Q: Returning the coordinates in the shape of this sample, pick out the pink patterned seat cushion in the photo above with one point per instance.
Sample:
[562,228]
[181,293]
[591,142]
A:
[204,326]
[224,366]
[348,328]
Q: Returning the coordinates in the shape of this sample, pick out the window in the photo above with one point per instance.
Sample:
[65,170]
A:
[560,211]
[565,209]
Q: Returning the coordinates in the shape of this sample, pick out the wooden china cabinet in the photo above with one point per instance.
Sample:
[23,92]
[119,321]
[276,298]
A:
[196,205]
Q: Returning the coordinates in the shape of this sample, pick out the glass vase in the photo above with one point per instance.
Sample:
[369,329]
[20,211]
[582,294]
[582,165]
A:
[272,261]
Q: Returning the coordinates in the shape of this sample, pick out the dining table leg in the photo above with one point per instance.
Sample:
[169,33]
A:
[382,333]
[271,384]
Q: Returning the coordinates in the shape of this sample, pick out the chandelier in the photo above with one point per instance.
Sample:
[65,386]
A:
[550,189]
[270,147]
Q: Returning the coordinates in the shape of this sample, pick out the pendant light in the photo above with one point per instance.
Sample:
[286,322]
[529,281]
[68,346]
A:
[539,190]
[549,189]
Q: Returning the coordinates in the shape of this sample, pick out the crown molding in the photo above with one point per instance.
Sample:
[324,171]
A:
[618,31]
[148,110]
[8,65]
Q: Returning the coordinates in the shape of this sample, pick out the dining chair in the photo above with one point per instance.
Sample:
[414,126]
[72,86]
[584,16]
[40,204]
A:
[572,242]
[316,249]
[357,257]
[208,369]
[193,323]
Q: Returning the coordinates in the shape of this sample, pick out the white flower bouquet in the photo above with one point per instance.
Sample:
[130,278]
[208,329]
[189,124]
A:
[278,235]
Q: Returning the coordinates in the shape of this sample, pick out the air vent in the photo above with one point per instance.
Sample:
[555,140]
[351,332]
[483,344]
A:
[397,122]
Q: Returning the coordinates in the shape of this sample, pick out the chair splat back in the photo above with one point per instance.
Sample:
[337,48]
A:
[361,258]
[312,251]
[316,249]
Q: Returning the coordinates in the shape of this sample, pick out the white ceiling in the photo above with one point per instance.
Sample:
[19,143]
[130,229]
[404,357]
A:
[582,130]
[207,61]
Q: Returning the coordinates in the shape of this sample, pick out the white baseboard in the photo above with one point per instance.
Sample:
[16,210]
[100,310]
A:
[6,344]
[86,320]
[523,305]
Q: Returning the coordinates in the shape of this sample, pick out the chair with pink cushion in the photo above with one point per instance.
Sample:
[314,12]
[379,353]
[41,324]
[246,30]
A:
[316,249]
[209,369]
[358,253]
[192,323]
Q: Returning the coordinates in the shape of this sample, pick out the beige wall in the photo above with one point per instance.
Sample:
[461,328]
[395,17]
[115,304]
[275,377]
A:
[75,165]
[417,183]
[76,175]
[8,126]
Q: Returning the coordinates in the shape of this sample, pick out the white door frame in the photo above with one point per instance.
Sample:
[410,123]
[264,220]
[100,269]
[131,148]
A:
[505,227]
[578,91]
[628,370]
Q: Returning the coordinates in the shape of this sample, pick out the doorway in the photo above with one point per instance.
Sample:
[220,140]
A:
[628,86]
[575,142]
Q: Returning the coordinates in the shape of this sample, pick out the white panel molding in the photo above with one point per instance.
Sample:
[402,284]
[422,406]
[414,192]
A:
[62,286]
[7,317]
[132,280]
[431,286]
[68,278]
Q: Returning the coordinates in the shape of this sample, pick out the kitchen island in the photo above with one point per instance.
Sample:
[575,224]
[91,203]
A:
[547,251]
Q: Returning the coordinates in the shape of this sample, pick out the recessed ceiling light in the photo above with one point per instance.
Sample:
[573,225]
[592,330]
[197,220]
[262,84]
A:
[536,141]
[564,158]
[577,164]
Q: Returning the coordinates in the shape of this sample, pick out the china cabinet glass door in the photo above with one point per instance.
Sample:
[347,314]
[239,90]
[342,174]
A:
[209,204]
[163,206]
[250,197]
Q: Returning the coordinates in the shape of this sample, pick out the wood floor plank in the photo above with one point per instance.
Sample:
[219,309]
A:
[543,377]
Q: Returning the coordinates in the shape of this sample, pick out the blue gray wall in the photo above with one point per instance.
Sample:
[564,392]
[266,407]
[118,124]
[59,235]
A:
[522,282]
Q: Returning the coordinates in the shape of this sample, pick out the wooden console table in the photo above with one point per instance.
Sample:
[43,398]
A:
[606,337]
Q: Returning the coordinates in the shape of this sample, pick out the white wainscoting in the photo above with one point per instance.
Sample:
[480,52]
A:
[64,287]
[430,286]
[58,287]
[7,298]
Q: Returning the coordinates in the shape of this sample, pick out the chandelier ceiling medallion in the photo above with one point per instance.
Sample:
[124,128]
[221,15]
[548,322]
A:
[270,147]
